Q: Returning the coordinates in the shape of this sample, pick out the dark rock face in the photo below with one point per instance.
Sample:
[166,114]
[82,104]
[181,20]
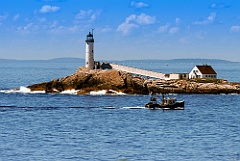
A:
[94,80]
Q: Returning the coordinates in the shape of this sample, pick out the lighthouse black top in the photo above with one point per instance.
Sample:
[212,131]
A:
[89,37]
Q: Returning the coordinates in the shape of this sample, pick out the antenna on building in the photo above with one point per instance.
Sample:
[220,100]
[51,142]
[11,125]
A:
[92,30]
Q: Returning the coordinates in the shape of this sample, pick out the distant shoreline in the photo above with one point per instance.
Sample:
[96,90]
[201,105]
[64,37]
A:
[75,60]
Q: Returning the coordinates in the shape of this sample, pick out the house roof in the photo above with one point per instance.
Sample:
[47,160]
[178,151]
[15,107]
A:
[206,69]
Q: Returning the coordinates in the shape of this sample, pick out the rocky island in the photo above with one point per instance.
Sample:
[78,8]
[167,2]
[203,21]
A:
[114,81]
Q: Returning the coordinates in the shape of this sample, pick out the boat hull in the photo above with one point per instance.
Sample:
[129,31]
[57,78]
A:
[179,105]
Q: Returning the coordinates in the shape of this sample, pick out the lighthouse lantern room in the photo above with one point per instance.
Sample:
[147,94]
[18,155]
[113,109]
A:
[89,51]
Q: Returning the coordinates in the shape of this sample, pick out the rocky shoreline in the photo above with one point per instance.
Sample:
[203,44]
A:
[84,81]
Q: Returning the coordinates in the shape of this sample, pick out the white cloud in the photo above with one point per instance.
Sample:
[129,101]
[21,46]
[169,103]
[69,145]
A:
[139,4]
[130,18]
[235,29]
[164,28]
[218,6]
[16,17]
[49,9]
[54,24]
[200,35]
[29,27]
[125,27]
[173,30]
[209,20]
[3,17]
[106,29]
[212,16]
[144,19]
[141,19]
[63,29]
[177,21]
[87,15]
[83,14]
[168,29]
[135,21]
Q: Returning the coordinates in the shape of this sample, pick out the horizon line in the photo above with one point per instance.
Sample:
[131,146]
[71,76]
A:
[50,59]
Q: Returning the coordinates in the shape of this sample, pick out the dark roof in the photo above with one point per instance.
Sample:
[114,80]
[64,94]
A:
[90,35]
[206,69]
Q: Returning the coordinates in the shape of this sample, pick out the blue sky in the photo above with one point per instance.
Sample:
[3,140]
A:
[124,29]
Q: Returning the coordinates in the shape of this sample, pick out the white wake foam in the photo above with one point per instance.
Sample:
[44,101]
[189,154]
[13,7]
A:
[137,107]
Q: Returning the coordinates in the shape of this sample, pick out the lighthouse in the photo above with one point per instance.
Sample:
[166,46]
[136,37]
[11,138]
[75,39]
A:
[89,51]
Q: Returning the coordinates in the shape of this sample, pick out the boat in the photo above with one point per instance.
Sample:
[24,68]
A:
[167,103]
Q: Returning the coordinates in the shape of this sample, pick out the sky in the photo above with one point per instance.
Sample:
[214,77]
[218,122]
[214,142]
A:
[123,29]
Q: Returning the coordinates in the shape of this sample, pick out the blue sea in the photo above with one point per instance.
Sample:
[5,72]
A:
[39,126]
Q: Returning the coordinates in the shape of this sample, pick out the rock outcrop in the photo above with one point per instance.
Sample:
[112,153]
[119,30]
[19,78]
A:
[85,81]
[94,80]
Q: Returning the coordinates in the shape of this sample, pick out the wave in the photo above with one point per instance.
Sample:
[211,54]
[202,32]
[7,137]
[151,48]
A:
[72,91]
[106,92]
[22,89]
[26,90]
[102,92]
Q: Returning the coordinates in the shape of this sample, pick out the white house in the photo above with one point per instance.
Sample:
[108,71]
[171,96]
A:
[202,71]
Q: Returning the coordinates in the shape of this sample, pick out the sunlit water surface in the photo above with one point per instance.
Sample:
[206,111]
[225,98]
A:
[113,127]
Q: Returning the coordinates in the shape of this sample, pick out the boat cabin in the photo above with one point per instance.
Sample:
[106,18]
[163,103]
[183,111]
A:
[168,101]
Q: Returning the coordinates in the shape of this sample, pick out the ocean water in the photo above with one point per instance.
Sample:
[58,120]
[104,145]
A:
[39,126]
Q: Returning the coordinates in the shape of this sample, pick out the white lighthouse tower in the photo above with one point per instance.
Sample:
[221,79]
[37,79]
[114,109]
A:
[89,51]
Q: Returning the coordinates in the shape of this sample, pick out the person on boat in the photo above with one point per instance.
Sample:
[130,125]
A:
[163,101]
[153,100]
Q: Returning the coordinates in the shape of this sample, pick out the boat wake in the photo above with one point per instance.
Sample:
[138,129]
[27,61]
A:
[137,107]
[13,107]
[133,107]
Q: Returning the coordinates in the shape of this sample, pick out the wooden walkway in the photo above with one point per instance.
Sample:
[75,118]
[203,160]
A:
[138,71]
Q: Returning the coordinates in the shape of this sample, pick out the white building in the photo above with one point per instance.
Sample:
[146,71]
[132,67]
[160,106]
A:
[89,60]
[176,76]
[202,71]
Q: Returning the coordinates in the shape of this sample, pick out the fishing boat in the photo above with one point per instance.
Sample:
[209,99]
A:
[167,103]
